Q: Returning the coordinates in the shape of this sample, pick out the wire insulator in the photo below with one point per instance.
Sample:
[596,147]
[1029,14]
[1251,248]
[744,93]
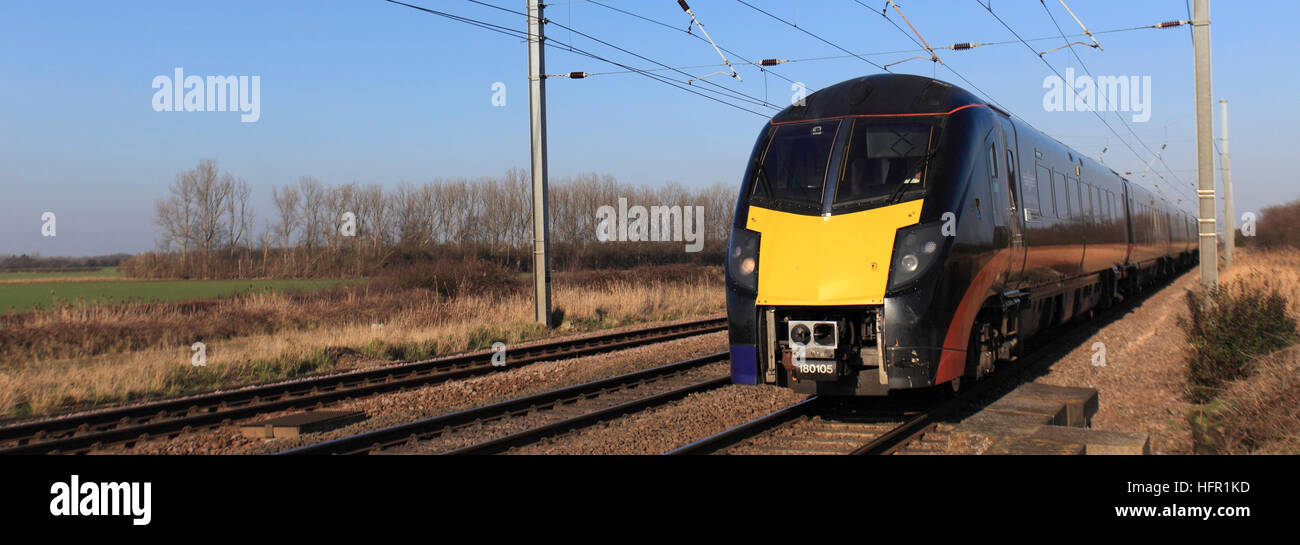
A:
[771,62]
[1168,24]
[961,46]
[685,7]
[577,75]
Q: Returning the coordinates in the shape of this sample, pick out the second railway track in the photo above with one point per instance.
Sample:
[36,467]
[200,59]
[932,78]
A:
[125,426]
[527,420]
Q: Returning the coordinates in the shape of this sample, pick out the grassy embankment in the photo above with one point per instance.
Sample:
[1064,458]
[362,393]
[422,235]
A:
[1243,361]
[82,352]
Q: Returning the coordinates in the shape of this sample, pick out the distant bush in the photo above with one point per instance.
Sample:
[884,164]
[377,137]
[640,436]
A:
[447,277]
[1278,226]
[1227,328]
[36,263]
[676,272]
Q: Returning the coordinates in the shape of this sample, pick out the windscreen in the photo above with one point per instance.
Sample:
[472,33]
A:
[884,163]
[792,173]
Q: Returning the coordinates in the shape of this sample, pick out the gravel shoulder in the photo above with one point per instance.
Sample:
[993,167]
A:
[670,426]
[1142,382]
[395,408]
[500,428]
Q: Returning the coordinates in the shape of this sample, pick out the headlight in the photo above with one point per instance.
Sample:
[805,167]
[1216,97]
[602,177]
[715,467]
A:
[824,334]
[916,249]
[742,260]
[800,335]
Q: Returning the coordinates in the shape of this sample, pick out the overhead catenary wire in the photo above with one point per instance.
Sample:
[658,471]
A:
[691,77]
[989,8]
[813,34]
[730,94]
[960,46]
[761,64]
[1102,97]
[925,47]
[576,50]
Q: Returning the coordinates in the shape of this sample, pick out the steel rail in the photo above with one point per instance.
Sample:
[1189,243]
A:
[428,428]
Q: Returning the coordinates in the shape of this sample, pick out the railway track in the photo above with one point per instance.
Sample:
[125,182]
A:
[501,426]
[821,425]
[874,426]
[125,426]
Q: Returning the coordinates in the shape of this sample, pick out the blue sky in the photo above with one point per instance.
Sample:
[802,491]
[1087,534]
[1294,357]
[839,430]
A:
[368,91]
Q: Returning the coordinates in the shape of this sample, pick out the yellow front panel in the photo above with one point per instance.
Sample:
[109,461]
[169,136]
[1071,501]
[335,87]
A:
[827,260]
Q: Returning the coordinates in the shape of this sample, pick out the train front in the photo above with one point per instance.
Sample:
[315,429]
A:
[835,257]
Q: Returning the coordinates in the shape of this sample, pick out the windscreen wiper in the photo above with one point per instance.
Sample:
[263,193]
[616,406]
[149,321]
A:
[902,187]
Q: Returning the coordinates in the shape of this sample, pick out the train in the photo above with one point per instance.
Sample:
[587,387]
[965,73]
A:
[896,232]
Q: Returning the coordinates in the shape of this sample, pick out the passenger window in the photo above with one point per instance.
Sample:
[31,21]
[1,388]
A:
[1050,194]
[1082,209]
[1031,190]
[1062,196]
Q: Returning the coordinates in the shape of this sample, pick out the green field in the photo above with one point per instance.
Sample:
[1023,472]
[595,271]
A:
[25,296]
[106,272]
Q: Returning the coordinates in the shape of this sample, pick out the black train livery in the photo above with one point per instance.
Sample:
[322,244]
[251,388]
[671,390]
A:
[894,231]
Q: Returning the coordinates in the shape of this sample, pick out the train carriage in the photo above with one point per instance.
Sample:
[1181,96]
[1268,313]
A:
[894,231]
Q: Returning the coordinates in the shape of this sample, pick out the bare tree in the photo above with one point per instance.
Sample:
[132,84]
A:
[207,211]
[239,214]
[192,217]
[174,215]
[287,201]
[213,191]
[315,223]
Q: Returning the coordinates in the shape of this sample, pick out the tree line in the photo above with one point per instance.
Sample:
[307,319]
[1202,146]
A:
[1277,226]
[208,229]
[38,263]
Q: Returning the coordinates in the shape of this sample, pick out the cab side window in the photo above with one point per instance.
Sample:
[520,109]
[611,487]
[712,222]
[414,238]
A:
[1011,167]
[993,162]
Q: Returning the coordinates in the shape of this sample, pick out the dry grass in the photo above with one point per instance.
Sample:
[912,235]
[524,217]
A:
[1256,415]
[1259,413]
[1277,269]
[296,335]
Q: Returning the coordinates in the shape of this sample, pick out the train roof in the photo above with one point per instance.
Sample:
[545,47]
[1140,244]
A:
[880,94]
